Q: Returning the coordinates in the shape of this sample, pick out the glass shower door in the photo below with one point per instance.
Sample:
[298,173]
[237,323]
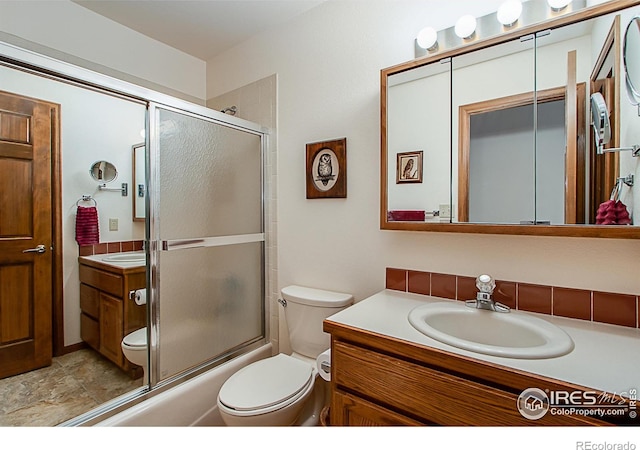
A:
[206,236]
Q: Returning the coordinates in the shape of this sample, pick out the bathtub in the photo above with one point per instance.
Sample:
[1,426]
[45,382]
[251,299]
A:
[192,403]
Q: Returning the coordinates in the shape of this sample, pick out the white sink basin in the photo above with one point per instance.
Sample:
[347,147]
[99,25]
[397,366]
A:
[512,335]
[125,257]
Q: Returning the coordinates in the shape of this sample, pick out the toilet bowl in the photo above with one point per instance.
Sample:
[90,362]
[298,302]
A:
[272,391]
[134,348]
[286,389]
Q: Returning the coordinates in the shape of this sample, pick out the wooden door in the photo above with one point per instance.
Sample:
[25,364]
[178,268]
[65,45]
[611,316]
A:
[575,154]
[604,167]
[28,133]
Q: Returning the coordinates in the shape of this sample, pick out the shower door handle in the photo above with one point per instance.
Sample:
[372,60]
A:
[39,249]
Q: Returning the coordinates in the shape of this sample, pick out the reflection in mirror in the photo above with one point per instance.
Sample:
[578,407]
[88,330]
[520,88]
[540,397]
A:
[503,172]
[139,182]
[493,149]
[419,120]
[103,171]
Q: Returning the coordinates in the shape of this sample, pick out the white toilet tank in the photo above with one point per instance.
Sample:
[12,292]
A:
[305,310]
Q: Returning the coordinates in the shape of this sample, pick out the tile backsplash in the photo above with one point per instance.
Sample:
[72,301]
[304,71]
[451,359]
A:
[110,247]
[605,307]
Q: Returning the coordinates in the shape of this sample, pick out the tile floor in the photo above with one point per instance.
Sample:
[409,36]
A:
[74,384]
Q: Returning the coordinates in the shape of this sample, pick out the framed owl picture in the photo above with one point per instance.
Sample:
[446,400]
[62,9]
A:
[409,167]
[327,169]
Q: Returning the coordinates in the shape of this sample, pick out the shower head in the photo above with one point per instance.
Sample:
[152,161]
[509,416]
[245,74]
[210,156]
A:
[231,110]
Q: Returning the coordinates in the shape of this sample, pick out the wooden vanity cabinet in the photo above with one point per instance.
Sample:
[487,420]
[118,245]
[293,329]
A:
[107,312]
[379,380]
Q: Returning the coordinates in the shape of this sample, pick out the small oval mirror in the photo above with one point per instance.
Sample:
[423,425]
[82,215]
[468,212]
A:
[631,55]
[600,120]
[103,171]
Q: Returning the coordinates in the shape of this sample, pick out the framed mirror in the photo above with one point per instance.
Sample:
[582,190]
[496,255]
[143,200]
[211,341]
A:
[631,55]
[139,182]
[504,127]
[103,172]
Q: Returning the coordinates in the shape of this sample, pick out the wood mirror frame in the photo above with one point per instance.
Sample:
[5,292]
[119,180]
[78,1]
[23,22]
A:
[600,231]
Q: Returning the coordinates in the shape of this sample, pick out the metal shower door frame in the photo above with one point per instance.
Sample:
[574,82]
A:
[155,245]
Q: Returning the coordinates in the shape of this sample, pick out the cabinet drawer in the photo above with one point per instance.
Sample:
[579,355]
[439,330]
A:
[90,301]
[90,331]
[427,394]
[101,280]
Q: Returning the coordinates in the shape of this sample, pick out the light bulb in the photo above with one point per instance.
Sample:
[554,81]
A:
[509,12]
[558,5]
[465,26]
[428,38]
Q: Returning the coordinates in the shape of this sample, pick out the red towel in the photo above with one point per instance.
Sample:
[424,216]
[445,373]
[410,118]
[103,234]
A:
[612,212]
[405,216]
[87,225]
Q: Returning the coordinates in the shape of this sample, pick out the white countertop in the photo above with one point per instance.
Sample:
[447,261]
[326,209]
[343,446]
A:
[605,357]
[119,264]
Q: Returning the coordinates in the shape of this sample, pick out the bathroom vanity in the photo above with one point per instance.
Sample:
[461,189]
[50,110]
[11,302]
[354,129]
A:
[108,314]
[385,372]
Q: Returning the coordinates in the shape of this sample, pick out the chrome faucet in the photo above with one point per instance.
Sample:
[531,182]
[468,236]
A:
[486,284]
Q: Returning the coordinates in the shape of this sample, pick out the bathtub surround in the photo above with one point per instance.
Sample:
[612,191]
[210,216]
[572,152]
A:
[256,102]
[596,306]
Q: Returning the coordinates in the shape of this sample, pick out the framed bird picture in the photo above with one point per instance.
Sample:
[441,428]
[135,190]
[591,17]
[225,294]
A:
[327,169]
[409,167]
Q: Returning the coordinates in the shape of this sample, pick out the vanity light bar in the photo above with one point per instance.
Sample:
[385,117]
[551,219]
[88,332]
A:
[533,12]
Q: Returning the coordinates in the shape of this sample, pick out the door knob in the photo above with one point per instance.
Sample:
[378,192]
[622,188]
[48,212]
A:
[39,249]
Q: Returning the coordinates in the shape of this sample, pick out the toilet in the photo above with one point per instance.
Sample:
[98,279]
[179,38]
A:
[134,348]
[286,389]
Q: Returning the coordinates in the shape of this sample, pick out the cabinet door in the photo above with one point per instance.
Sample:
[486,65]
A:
[111,328]
[349,410]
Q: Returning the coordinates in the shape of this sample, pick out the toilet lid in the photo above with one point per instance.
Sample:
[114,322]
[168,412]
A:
[266,383]
[136,339]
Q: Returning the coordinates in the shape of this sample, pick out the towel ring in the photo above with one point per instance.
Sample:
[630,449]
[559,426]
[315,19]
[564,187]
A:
[87,198]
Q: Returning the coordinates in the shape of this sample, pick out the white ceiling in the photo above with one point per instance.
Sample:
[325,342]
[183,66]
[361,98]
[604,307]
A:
[201,28]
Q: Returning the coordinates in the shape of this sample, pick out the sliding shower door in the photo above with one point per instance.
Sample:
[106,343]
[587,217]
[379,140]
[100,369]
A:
[206,239]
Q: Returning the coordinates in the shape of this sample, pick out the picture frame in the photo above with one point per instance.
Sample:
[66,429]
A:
[409,167]
[326,169]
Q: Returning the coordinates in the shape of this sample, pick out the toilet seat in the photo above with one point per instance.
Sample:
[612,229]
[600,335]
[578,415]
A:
[137,338]
[266,385]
